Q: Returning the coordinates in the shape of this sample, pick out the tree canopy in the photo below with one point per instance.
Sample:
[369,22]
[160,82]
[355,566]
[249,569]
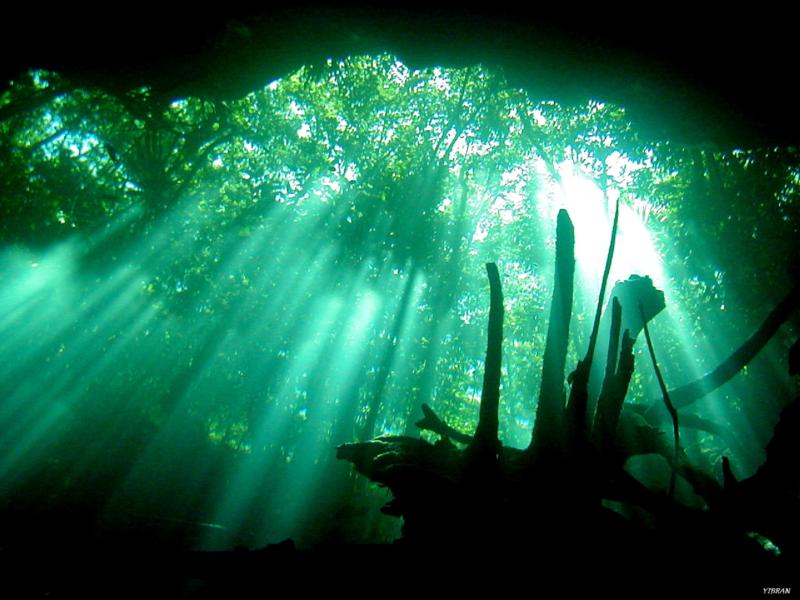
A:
[303,266]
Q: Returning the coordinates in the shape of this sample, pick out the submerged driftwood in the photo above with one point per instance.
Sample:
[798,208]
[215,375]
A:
[557,490]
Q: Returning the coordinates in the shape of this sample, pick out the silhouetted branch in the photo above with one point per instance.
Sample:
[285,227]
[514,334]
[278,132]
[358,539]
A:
[613,340]
[431,422]
[686,394]
[579,394]
[607,411]
[599,311]
[667,402]
[655,416]
[550,408]
[615,384]
[486,431]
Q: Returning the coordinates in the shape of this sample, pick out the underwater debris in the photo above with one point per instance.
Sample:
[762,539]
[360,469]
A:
[554,495]
[550,407]
[667,401]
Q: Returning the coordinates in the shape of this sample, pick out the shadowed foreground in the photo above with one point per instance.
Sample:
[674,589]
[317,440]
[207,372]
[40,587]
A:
[562,515]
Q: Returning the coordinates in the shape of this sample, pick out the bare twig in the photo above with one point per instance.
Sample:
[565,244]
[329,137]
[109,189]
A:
[667,401]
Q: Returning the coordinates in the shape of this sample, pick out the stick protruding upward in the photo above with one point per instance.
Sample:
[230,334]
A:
[550,408]
[486,433]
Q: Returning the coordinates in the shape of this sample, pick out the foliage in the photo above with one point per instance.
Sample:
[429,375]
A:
[303,266]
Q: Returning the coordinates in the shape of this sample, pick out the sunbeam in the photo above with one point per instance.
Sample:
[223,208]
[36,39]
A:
[202,299]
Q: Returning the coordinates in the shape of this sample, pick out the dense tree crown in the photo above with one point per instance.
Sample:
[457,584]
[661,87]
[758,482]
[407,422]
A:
[303,266]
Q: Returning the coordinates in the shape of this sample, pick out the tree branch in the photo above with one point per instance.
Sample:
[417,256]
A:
[579,394]
[667,402]
[548,431]
[432,422]
[686,394]
[486,432]
[615,384]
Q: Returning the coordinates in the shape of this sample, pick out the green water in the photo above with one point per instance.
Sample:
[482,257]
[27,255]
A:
[199,300]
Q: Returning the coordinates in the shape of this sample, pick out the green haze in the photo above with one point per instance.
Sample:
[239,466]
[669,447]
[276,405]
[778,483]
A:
[200,299]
